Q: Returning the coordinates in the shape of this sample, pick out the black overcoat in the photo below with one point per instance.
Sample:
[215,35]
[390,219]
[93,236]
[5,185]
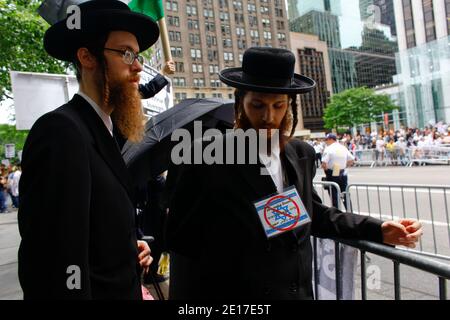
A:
[76,210]
[218,246]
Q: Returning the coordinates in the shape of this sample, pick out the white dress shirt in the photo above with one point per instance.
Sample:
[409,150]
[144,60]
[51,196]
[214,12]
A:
[105,117]
[273,166]
[336,156]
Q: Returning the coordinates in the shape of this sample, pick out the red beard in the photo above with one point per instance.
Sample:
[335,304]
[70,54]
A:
[127,115]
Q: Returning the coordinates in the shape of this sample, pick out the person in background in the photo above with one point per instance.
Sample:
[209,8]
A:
[76,215]
[336,158]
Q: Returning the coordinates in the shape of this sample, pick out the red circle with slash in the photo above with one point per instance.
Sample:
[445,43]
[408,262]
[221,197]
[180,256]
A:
[268,207]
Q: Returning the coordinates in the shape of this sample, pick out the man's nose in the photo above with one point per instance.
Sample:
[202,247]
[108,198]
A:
[136,66]
[268,115]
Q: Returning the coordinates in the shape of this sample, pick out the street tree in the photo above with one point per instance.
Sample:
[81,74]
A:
[355,107]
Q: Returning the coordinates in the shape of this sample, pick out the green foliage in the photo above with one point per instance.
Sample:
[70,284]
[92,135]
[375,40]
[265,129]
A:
[21,42]
[9,134]
[355,107]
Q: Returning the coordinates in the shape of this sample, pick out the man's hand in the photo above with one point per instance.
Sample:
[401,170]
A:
[405,232]
[144,257]
[169,68]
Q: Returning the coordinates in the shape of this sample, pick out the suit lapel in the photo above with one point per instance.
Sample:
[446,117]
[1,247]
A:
[105,143]
[297,165]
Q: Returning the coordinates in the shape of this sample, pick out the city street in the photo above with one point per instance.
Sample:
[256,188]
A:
[415,284]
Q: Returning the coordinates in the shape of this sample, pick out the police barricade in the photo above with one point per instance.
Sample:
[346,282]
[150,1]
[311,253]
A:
[428,204]
[403,157]
[429,155]
[326,285]
[365,157]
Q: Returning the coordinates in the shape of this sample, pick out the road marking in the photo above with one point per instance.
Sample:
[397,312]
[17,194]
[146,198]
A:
[385,216]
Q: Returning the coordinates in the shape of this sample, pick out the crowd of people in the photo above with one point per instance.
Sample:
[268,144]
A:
[394,146]
[9,186]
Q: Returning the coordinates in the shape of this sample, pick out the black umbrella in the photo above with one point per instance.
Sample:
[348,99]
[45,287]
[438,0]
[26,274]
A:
[151,157]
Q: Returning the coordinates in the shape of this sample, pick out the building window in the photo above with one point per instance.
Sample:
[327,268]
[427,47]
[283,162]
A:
[177,52]
[267,35]
[179,66]
[194,39]
[240,31]
[264,10]
[191,10]
[280,25]
[197,68]
[430,28]
[228,56]
[224,16]
[251,7]
[447,8]
[208,13]
[281,36]
[253,21]
[210,26]
[174,21]
[237,5]
[225,30]
[175,36]
[409,24]
[196,54]
[279,12]
[266,23]
[172,6]
[192,24]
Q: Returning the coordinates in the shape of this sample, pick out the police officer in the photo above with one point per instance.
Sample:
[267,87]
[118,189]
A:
[335,160]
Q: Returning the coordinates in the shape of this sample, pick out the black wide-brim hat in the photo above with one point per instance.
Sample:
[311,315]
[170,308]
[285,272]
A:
[270,70]
[97,18]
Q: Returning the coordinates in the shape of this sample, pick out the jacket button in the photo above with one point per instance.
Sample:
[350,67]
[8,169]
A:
[295,248]
[267,291]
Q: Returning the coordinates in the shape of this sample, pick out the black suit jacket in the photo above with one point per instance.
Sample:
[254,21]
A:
[76,210]
[218,246]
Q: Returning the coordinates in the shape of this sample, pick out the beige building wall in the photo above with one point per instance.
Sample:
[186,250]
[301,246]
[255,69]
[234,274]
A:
[246,23]
[301,41]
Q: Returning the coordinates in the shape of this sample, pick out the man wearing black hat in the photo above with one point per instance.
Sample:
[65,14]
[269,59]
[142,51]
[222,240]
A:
[76,216]
[234,232]
[336,158]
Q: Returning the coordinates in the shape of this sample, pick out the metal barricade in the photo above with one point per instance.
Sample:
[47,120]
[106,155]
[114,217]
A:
[398,257]
[365,157]
[428,204]
[429,155]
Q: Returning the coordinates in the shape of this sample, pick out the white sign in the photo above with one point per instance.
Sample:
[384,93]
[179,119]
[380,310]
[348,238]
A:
[10,151]
[160,102]
[38,93]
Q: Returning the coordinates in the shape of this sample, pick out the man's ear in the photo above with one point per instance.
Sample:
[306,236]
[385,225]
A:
[86,59]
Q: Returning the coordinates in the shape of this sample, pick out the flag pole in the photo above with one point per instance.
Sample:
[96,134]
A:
[165,39]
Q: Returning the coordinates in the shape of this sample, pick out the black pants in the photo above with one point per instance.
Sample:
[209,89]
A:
[342,181]
[318,160]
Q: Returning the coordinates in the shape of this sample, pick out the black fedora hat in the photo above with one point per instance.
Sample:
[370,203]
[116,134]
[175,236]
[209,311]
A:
[98,17]
[266,69]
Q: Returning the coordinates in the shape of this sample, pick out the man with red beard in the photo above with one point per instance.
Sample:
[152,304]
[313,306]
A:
[76,216]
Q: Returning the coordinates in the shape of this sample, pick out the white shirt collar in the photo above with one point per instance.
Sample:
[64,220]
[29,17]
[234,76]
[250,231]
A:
[273,165]
[104,116]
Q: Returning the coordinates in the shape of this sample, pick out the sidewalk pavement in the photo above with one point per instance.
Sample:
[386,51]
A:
[9,244]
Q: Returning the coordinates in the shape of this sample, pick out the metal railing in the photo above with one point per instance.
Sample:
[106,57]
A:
[398,257]
[428,204]
[418,259]
[403,157]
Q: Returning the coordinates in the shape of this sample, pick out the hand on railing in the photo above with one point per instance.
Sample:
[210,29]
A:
[405,232]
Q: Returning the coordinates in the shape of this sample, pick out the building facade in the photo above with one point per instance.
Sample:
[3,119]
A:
[361,47]
[312,61]
[423,60]
[207,36]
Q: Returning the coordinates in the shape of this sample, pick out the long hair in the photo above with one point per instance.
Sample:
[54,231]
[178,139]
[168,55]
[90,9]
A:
[95,44]
[288,124]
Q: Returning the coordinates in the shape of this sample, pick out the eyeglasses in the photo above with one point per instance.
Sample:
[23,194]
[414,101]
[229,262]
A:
[128,56]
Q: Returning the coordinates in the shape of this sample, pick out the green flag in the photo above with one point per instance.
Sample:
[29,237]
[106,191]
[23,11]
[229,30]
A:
[151,8]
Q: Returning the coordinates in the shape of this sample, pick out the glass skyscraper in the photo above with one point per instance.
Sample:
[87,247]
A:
[359,36]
